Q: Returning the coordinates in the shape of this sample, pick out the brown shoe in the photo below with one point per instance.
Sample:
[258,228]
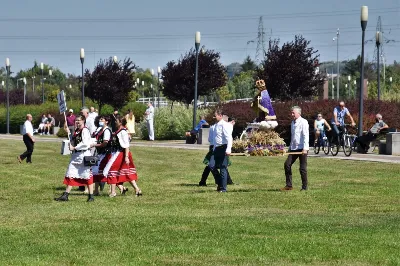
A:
[286,188]
[19,159]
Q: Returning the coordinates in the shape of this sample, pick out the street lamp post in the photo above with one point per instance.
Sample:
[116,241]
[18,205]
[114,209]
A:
[355,88]
[8,69]
[349,79]
[364,20]
[82,56]
[33,83]
[42,81]
[337,59]
[197,46]
[143,88]
[158,90]
[378,43]
[24,80]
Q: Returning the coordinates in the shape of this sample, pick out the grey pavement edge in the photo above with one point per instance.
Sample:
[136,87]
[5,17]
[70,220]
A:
[180,144]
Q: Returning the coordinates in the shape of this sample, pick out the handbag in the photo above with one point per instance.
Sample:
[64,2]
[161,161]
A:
[91,160]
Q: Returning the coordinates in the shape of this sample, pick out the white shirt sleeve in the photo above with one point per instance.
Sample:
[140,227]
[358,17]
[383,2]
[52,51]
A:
[86,140]
[227,131]
[211,135]
[123,139]
[107,134]
[27,128]
[306,136]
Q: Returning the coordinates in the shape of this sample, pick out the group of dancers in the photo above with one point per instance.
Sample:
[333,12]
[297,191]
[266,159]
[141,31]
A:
[115,159]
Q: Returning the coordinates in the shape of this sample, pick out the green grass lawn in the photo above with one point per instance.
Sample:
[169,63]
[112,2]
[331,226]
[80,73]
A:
[349,216]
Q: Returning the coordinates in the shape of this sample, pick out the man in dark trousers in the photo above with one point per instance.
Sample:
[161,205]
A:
[299,143]
[27,133]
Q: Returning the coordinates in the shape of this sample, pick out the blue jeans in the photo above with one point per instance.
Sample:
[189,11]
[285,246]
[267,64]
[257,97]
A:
[221,163]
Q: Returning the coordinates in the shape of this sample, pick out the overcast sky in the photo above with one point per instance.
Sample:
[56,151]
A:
[154,32]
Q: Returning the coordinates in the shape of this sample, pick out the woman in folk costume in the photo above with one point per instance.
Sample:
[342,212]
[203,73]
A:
[77,173]
[262,105]
[103,149]
[130,123]
[120,167]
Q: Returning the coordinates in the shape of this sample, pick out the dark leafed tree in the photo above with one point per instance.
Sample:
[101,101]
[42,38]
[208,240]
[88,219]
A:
[290,71]
[248,64]
[110,83]
[178,76]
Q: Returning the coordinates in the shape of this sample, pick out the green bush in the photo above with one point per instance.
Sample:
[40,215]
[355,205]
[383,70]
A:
[62,133]
[169,124]
[137,108]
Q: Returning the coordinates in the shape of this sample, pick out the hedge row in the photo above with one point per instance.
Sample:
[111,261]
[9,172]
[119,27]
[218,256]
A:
[18,113]
[244,114]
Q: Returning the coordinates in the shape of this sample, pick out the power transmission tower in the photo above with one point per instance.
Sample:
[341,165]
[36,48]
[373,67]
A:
[260,50]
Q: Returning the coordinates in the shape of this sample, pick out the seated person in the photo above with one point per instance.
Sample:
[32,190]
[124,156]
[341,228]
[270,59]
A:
[319,126]
[372,134]
[49,124]
[201,123]
[43,122]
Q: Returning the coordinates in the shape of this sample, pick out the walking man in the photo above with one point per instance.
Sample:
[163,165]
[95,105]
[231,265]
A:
[149,115]
[298,143]
[27,133]
[222,149]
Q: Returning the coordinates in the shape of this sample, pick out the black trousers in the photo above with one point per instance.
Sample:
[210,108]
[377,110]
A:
[206,173]
[29,149]
[365,140]
[303,168]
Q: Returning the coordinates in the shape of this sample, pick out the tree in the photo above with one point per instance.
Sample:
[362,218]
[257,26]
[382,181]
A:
[242,85]
[110,83]
[179,76]
[289,72]
[248,64]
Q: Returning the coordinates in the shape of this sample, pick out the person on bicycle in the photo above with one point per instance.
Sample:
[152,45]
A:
[339,114]
[372,134]
[319,127]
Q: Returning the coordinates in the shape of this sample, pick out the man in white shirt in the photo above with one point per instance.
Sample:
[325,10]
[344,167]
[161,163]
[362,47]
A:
[93,114]
[299,143]
[222,149]
[27,133]
[89,123]
[149,116]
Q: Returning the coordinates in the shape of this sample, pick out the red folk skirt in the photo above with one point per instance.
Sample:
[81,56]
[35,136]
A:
[121,172]
[76,182]
[98,173]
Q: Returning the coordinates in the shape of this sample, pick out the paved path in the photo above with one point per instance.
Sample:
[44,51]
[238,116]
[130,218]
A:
[180,144]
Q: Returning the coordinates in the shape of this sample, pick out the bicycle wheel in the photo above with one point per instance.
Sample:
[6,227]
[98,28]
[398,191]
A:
[335,146]
[326,147]
[347,147]
[316,148]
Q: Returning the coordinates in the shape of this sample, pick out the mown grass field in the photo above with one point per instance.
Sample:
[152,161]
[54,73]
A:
[349,216]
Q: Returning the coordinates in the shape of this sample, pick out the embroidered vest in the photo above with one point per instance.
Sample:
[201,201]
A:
[100,139]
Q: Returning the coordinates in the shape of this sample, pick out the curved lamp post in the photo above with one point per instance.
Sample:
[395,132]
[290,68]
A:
[42,81]
[364,20]
[197,46]
[8,68]
[158,90]
[378,43]
[82,57]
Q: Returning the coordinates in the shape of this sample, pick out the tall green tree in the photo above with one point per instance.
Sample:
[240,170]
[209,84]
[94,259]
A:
[178,77]
[290,71]
[248,64]
[110,83]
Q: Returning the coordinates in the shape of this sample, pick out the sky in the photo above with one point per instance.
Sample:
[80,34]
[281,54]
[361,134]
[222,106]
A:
[154,32]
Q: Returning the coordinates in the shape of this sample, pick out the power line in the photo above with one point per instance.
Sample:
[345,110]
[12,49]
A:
[194,19]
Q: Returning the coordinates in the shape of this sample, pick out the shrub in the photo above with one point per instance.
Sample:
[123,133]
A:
[171,123]
[62,133]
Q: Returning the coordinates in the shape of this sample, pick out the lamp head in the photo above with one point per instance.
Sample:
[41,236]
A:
[115,59]
[152,72]
[7,62]
[41,66]
[159,70]
[364,17]
[197,38]
[82,53]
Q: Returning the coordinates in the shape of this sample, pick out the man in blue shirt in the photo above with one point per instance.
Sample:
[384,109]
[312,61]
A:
[193,132]
[339,114]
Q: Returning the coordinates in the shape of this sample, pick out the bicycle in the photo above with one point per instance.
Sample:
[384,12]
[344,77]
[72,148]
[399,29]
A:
[322,142]
[345,140]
